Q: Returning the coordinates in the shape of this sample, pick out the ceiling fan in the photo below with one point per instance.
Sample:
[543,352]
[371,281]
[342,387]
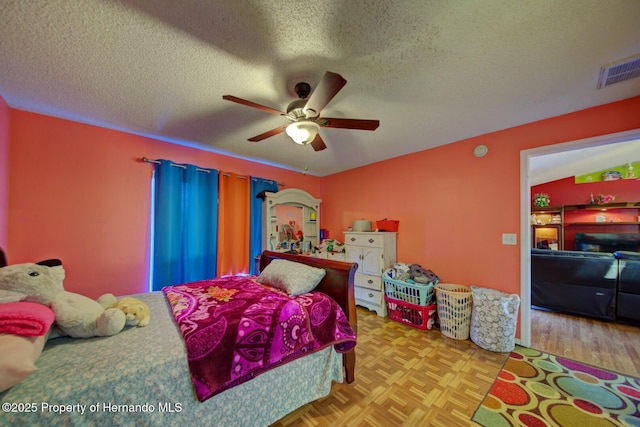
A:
[304,113]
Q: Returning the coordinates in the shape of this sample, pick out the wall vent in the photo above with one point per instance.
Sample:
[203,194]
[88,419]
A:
[619,71]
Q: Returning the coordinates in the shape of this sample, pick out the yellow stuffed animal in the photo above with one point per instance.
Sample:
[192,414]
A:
[136,311]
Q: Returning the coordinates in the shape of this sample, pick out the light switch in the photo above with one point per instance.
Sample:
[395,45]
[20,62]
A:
[509,239]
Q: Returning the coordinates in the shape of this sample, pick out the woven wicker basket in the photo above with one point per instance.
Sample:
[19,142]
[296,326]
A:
[455,304]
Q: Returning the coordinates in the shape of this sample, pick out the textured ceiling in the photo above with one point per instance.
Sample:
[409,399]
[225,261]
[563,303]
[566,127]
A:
[433,72]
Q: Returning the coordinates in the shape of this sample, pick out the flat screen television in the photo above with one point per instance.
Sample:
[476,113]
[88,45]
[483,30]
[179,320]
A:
[608,242]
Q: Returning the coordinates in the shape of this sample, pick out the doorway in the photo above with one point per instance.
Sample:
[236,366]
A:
[526,159]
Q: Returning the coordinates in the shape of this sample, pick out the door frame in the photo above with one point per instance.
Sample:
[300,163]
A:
[525,209]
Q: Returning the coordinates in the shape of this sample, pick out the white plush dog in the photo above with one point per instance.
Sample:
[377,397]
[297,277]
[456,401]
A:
[75,315]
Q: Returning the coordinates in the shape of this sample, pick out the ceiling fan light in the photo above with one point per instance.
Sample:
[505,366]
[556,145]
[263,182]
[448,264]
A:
[302,132]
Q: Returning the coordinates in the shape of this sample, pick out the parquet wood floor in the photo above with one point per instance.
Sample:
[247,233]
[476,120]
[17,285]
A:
[410,377]
[405,376]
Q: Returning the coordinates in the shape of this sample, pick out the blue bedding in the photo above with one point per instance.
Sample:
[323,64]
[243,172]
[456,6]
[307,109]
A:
[141,377]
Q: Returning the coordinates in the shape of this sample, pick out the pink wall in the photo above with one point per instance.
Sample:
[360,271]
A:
[454,207]
[567,192]
[77,192]
[4,171]
[80,193]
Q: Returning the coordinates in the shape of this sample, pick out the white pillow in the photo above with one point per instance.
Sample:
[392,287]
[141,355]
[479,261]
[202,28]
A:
[292,277]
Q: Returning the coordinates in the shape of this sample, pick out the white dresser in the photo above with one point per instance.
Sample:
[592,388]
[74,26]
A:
[374,252]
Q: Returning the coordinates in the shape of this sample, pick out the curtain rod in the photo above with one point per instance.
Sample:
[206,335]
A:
[147,160]
[177,165]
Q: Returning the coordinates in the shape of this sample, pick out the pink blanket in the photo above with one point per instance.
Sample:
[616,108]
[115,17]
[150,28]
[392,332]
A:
[235,329]
[25,318]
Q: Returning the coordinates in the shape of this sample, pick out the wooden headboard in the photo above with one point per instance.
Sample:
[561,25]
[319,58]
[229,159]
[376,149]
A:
[337,283]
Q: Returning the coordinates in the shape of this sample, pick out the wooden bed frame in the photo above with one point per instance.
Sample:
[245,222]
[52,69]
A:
[338,284]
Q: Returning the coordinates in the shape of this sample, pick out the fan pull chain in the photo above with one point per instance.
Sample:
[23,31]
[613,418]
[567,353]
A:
[304,156]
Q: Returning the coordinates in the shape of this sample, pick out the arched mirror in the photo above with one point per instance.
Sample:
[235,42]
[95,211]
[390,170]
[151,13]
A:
[292,221]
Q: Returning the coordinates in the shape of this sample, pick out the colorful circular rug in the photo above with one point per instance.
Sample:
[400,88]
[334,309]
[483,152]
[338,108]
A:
[537,389]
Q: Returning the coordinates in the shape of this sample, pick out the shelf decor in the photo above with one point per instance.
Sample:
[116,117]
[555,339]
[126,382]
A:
[603,199]
[626,171]
[541,200]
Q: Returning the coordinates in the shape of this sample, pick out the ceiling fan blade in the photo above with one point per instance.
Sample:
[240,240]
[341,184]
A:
[252,104]
[318,143]
[329,122]
[327,88]
[268,134]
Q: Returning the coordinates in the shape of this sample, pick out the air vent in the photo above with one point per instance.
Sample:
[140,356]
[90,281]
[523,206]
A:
[619,71]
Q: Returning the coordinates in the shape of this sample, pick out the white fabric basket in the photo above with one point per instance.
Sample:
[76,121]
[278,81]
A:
[493,319]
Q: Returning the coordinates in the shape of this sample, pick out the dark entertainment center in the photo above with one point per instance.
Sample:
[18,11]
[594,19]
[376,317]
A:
[602,228]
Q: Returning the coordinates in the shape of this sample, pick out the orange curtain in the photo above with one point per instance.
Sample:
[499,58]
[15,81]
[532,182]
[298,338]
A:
[233,224]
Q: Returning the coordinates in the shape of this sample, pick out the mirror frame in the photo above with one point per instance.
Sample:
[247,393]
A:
[290,197]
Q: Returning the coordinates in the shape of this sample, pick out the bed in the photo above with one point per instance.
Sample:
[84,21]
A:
[142,377]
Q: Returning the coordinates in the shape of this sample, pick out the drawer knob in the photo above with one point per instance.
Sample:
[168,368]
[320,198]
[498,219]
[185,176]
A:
[370,295]
[370,281]
[353,239]
[371,240]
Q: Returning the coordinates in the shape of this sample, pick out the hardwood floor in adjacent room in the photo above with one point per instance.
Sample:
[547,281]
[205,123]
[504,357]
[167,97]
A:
[609,345]
[411,377]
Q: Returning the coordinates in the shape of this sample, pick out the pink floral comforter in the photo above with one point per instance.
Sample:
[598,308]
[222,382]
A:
[235,328]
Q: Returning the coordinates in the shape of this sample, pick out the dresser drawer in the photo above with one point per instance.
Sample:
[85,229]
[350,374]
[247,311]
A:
[369,282]
[365,239]
[369,296]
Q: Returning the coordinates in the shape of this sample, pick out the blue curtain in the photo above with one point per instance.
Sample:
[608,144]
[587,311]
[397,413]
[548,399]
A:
[258,186]
[185,224]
